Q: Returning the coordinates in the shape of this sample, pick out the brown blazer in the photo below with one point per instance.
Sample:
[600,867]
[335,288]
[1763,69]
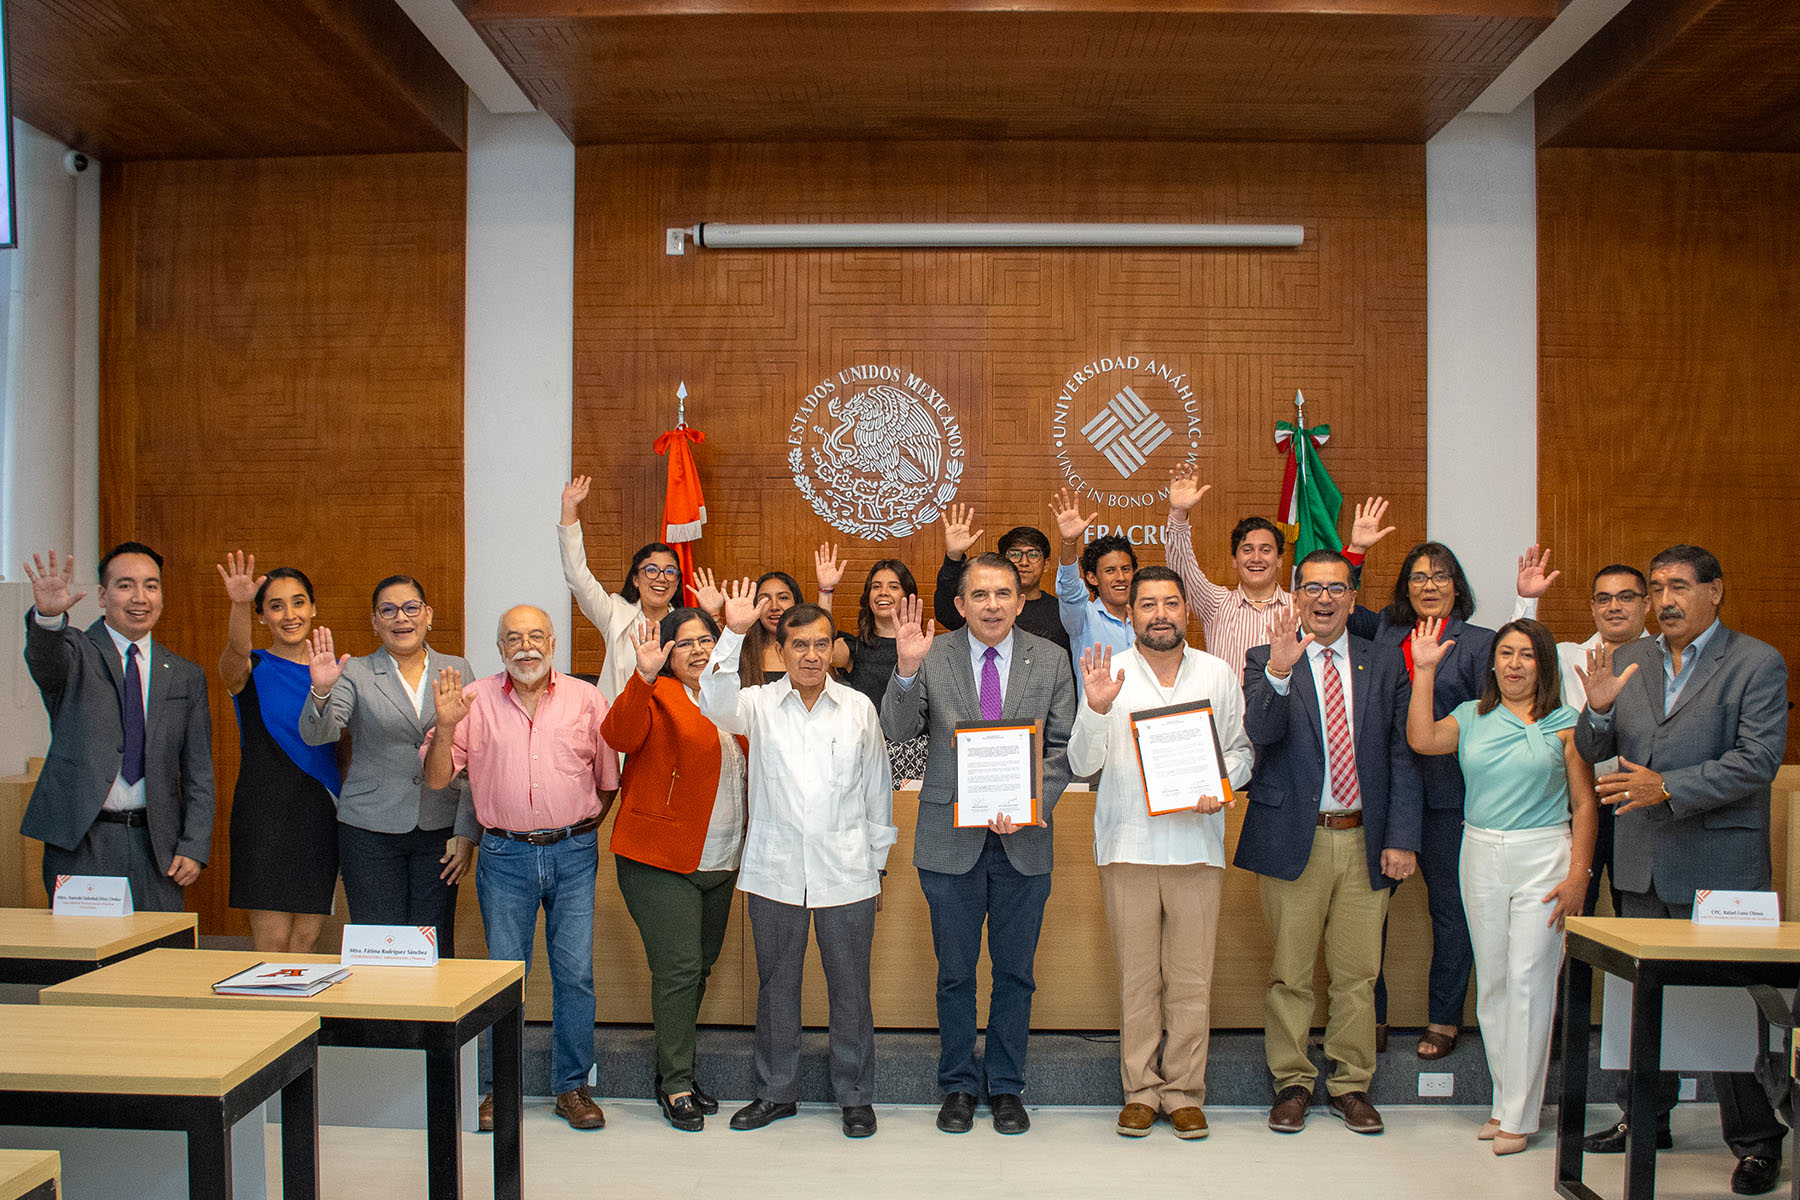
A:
[671,774]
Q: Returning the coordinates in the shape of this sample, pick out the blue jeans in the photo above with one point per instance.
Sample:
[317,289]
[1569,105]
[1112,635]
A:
[1012,907]
[511,880]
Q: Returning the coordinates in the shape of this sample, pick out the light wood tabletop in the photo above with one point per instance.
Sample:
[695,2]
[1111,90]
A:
[142,1051]
[1653,938]
[446,992]
[36,933]
[23,1170]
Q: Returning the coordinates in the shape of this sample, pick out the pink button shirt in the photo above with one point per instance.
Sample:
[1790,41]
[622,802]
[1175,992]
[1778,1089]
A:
[530,773]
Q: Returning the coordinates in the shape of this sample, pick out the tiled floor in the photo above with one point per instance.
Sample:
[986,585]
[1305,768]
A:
[1426,1152]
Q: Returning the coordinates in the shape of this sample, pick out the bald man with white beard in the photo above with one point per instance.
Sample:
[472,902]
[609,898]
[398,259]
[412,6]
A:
[542,779]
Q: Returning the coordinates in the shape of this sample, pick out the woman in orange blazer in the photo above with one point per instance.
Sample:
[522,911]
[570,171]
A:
[676,839]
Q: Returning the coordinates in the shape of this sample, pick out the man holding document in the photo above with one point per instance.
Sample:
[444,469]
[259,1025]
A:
[983,844]
[1164,724]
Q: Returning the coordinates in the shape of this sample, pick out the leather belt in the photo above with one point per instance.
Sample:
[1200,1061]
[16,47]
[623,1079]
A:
[130,816]
[1343,820]
[547,837]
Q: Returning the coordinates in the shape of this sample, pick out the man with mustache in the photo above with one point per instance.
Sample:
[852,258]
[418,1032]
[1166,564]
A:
[1160,876]
[542,778]
[1698,719]
[1334,819]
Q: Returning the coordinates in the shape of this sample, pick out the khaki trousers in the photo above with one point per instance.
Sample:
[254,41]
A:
[1330,901]
[1164,923]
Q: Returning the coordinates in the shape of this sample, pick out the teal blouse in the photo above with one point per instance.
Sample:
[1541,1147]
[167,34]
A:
[1515,772]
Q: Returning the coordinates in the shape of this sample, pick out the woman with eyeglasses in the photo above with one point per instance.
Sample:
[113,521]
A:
[1528,848]
[402,846]
[284,842]
[676,839]
[865,660]
[652,587]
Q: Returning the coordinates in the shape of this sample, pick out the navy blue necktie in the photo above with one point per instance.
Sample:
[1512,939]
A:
[133,768]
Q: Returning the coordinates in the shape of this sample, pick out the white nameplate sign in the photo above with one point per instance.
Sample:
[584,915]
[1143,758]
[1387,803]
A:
[1736,908]
[92,896]
[390,946]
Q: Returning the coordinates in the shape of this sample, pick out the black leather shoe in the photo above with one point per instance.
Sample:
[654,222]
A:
[759,1112]
[859,1121]
[1009,1113]
[957,1115]
[1755,1175]
[1612,1141]
[705,1102]
[681,1112]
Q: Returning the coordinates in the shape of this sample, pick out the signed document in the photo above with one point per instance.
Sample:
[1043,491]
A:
[1180,758]
[999,771]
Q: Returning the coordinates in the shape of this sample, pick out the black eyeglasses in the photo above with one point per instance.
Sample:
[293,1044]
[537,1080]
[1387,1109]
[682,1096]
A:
[1420,578]
[654,572]
[1603,599]
[388,612]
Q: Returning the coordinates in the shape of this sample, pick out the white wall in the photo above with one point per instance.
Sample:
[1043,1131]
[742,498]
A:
[1481,349]
[518,372]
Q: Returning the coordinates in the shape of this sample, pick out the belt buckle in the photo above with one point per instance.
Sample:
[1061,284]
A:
[537,837]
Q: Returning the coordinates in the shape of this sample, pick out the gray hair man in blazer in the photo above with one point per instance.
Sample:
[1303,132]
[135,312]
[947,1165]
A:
[395,833]
[127,788]
[1698,720]
[999,875]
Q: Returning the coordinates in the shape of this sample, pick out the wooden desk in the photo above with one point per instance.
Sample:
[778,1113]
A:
[30,1174]
[434,1009]
[183,1069]
[36,947]
[1651,954]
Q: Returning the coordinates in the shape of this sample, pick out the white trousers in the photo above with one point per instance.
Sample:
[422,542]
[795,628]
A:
[1505,876]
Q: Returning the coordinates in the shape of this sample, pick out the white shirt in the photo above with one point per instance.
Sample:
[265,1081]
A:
[1340,662]
[415,694]
[1124,830]
[123,797]
[725,832]
[613,615]
[821,795]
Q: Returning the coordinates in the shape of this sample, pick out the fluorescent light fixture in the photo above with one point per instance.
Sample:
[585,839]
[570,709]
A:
[721,235]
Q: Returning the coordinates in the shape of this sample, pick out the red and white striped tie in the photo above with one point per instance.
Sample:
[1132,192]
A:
[1345,790]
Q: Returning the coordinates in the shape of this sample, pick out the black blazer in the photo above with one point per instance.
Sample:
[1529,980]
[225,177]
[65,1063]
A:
[1459,679]
[1283,813]
[78,674]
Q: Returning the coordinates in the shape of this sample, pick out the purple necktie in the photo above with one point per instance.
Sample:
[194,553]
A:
[132,714]
[990,685]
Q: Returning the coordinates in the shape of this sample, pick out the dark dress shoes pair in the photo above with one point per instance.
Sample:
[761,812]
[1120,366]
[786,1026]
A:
[759,1112]
[957,1113]
[859,1121]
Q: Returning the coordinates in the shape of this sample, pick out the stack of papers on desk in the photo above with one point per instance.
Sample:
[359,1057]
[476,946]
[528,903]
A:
[281,979]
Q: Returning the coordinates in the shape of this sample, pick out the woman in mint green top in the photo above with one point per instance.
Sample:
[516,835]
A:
[1528,840]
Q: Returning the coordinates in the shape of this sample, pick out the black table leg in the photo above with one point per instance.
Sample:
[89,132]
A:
[1646,1066]
[443,1118]
[509,1105]
[209,1156]
[300,1137]
[1571,1113]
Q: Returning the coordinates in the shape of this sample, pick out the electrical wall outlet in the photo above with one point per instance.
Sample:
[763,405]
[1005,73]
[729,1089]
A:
[1690,1089]
[1439,1085]
[676,241]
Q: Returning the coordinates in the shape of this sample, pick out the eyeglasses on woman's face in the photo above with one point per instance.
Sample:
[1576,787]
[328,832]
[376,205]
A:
[1421,578]
[704,642]
[652,571]
[391,612]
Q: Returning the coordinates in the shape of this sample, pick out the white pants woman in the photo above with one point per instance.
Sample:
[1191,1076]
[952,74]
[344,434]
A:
[1506,875]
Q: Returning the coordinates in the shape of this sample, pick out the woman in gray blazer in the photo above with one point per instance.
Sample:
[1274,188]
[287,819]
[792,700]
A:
[402,846]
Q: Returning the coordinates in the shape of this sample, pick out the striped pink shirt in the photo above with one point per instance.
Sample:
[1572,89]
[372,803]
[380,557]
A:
[1231,623]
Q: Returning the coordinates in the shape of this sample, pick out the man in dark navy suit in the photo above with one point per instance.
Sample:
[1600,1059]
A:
[1333,821]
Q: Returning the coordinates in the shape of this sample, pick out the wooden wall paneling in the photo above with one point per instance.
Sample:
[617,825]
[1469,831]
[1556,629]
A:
[1667,363]
[283,374]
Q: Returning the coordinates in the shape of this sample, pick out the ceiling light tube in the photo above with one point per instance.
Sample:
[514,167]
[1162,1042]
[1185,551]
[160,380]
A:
[720,235]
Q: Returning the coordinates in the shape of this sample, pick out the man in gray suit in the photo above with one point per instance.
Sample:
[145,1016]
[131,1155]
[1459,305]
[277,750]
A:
[999,875]
[1698,719]
[127,788]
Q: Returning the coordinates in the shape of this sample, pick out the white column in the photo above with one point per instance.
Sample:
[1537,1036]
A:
[518,378]
[1481,348]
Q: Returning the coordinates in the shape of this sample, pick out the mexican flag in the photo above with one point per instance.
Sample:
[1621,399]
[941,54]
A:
[1310,501]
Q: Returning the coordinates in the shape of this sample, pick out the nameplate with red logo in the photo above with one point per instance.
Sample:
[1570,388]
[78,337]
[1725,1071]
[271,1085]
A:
[1736,908]
[390,946]
[92,896]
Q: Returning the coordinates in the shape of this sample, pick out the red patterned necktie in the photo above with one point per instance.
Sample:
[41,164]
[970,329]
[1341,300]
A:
[1345,790]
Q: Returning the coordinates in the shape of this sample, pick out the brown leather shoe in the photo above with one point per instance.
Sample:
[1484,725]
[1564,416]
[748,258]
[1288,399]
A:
[1289,1113]
[579,1110]
[1189,1123]
[484,1116]
[1359,1116]
[1135,1120]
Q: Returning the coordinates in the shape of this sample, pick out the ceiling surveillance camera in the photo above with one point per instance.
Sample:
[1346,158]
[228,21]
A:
[75,162]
